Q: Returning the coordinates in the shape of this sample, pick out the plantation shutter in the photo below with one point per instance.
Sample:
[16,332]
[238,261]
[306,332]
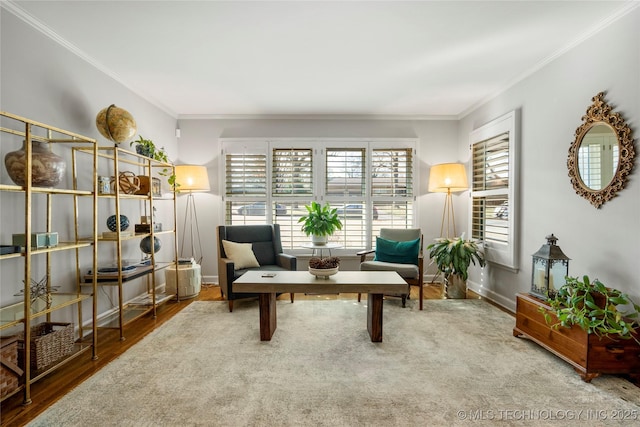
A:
[392,172]
[292,172]
[490,186]
[246,174]
[345,172]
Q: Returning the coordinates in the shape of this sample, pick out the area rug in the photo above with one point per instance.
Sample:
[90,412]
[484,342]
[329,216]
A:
[455,363]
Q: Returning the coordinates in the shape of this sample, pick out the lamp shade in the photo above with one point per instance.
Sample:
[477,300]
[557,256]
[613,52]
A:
[192,178]
[447,177]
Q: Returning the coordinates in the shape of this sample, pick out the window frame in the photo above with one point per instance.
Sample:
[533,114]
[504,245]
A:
[505,255]
[319,148]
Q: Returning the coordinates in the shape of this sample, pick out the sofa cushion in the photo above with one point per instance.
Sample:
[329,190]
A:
[406,271]
[397,252]
[241,254]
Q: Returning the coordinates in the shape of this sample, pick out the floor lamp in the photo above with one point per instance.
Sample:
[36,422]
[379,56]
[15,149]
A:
[448,178]
[191,179]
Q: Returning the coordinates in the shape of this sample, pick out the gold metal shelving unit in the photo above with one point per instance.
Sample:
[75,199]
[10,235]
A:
[125,312]
[24,313]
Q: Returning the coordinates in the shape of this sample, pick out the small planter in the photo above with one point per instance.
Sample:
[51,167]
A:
[144,150]
[319,240]
[455,287]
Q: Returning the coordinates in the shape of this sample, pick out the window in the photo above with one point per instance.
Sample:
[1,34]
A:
[368,182]
[245,181]
[292,172]
[392,188]
[493,204]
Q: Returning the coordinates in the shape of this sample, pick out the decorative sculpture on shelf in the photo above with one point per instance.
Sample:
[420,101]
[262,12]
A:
[116,124]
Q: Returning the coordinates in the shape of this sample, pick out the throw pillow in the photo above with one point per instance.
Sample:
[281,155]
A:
[397,252]
[241,254]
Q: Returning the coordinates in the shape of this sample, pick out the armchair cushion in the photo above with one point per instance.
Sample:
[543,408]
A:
[406,271]
[241,254]
[391,251]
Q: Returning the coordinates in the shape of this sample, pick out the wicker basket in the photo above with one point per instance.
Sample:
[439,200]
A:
[10,372]
[50,342]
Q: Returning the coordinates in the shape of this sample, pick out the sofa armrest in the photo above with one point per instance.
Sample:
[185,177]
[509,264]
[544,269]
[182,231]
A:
[289,262]
[226,267]
[363,254]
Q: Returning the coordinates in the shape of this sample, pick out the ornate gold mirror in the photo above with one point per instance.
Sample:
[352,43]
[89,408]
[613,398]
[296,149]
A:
[602,154]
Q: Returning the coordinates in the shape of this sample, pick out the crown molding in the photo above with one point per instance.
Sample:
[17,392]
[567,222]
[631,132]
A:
[399,117]
[16,10]
[624,10]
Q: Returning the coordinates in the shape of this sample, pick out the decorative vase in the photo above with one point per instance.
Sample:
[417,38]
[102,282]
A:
[112,223]
[47,168]
[145,245]
[455,287]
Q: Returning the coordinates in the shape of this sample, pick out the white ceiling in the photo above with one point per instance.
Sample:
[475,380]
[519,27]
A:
[361,58]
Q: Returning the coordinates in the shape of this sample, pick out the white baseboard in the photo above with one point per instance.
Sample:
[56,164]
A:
[506,303]
[208,280]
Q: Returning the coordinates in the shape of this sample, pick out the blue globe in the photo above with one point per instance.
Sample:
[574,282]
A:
[145,245]
[112,224]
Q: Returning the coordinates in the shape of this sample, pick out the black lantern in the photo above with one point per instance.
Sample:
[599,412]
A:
[550,267]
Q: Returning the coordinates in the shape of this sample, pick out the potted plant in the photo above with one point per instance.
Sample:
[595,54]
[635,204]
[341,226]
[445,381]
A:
[594,307]
[453,257]
[320,222]
[146,147]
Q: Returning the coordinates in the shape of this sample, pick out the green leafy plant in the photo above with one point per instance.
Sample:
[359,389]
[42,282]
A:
[147,148]
[594,307]
[454,256]
[320,220]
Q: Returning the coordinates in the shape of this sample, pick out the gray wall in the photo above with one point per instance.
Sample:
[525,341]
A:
[602,243]
[200,144]
[43,81]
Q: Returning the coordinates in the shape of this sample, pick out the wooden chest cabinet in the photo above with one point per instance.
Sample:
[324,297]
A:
[587,353]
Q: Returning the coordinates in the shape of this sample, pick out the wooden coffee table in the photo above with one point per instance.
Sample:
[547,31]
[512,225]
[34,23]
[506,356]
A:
[373,283]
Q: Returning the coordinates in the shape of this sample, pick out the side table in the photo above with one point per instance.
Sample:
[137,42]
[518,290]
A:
[317,249]
[189,278]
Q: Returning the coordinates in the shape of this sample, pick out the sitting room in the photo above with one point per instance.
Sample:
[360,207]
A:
[319,213]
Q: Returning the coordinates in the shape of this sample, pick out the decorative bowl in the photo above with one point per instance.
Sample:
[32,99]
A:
[323,273]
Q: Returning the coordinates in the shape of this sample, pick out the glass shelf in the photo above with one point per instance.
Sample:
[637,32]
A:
[13,314]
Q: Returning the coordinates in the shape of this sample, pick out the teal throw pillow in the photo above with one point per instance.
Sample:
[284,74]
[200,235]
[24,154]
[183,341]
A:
[397,252]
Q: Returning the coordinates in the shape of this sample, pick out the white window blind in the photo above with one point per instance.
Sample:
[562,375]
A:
[246,174]
[369,183]
[292,172]
[245,185]
[492,213]
[345,172]
[392,172]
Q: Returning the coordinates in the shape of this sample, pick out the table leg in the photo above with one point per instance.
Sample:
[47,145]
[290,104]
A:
[374,317]
[267,316]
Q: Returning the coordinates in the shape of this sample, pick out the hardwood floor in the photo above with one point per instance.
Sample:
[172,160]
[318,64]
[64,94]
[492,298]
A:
[49,389]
